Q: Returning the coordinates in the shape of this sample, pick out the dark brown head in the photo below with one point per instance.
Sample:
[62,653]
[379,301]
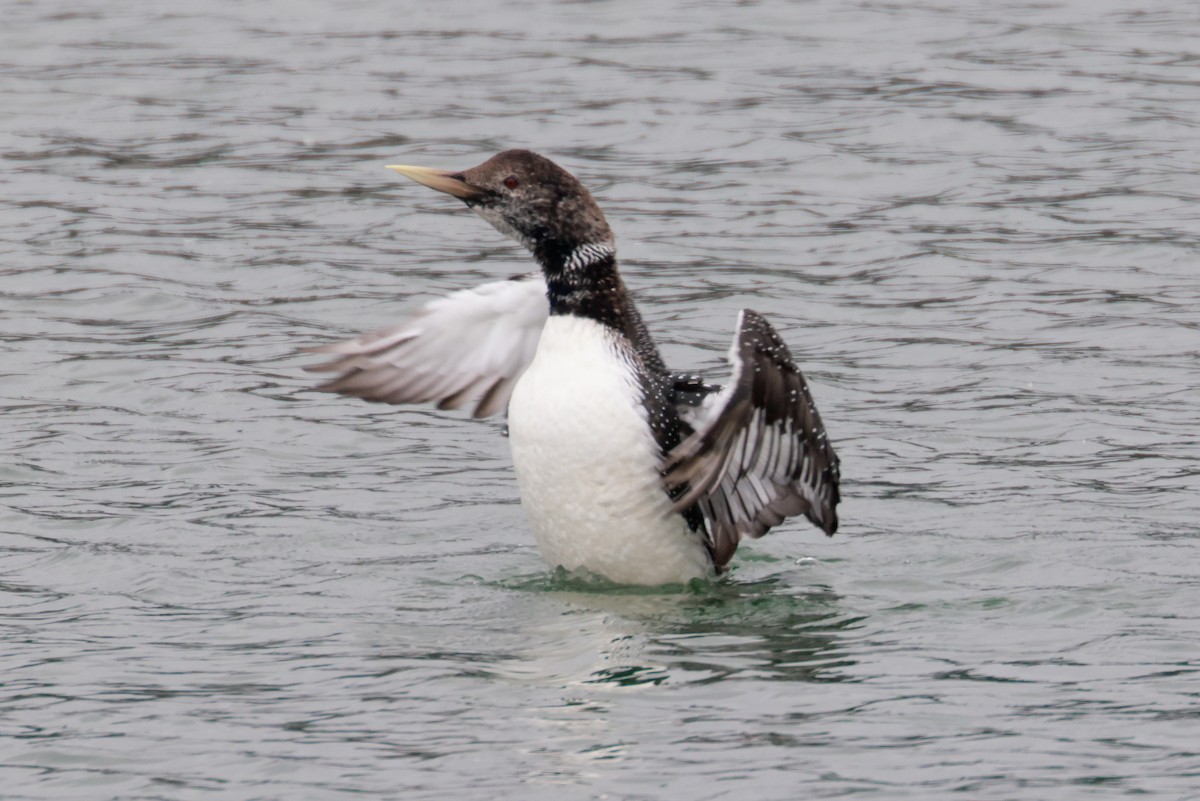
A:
[529,198]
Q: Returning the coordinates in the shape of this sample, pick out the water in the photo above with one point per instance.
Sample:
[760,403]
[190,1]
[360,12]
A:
[974,222]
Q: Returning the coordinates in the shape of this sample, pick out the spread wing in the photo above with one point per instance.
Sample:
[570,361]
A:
[472,344]
[759,453]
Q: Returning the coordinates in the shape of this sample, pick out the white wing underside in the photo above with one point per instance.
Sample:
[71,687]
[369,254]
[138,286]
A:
[468,347]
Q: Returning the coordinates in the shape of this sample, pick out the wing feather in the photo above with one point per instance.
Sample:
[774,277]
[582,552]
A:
[759,453]
[470,346]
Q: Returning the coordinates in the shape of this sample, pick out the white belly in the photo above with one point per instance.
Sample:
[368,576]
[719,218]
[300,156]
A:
[586,464]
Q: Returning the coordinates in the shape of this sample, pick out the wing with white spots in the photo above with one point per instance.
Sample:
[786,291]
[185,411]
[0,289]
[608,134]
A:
[759,453]
[470,346]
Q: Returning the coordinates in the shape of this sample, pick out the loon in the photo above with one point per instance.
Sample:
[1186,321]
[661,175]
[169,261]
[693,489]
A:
[626,470]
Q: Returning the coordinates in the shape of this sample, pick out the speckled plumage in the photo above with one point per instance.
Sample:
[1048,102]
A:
[626,470]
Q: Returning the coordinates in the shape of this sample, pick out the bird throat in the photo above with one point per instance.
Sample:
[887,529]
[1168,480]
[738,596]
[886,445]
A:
[585,282]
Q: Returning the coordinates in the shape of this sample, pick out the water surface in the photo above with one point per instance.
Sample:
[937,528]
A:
[975,223]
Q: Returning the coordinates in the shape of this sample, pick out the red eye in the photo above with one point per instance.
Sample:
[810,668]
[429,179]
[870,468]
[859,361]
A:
[511,182]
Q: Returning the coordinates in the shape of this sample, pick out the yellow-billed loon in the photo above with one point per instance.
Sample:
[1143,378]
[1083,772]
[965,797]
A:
[626,470]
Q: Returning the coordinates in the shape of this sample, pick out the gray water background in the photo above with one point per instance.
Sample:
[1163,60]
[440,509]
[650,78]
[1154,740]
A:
[975,223]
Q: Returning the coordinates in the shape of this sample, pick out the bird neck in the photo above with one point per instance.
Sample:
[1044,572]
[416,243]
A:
[585,282]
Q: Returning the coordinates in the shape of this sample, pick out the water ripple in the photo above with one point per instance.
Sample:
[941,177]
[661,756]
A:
[974,224]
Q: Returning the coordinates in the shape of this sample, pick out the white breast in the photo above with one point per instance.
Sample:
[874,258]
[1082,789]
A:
[587,463]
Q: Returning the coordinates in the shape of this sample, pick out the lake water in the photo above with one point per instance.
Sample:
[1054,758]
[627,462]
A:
[975,223]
